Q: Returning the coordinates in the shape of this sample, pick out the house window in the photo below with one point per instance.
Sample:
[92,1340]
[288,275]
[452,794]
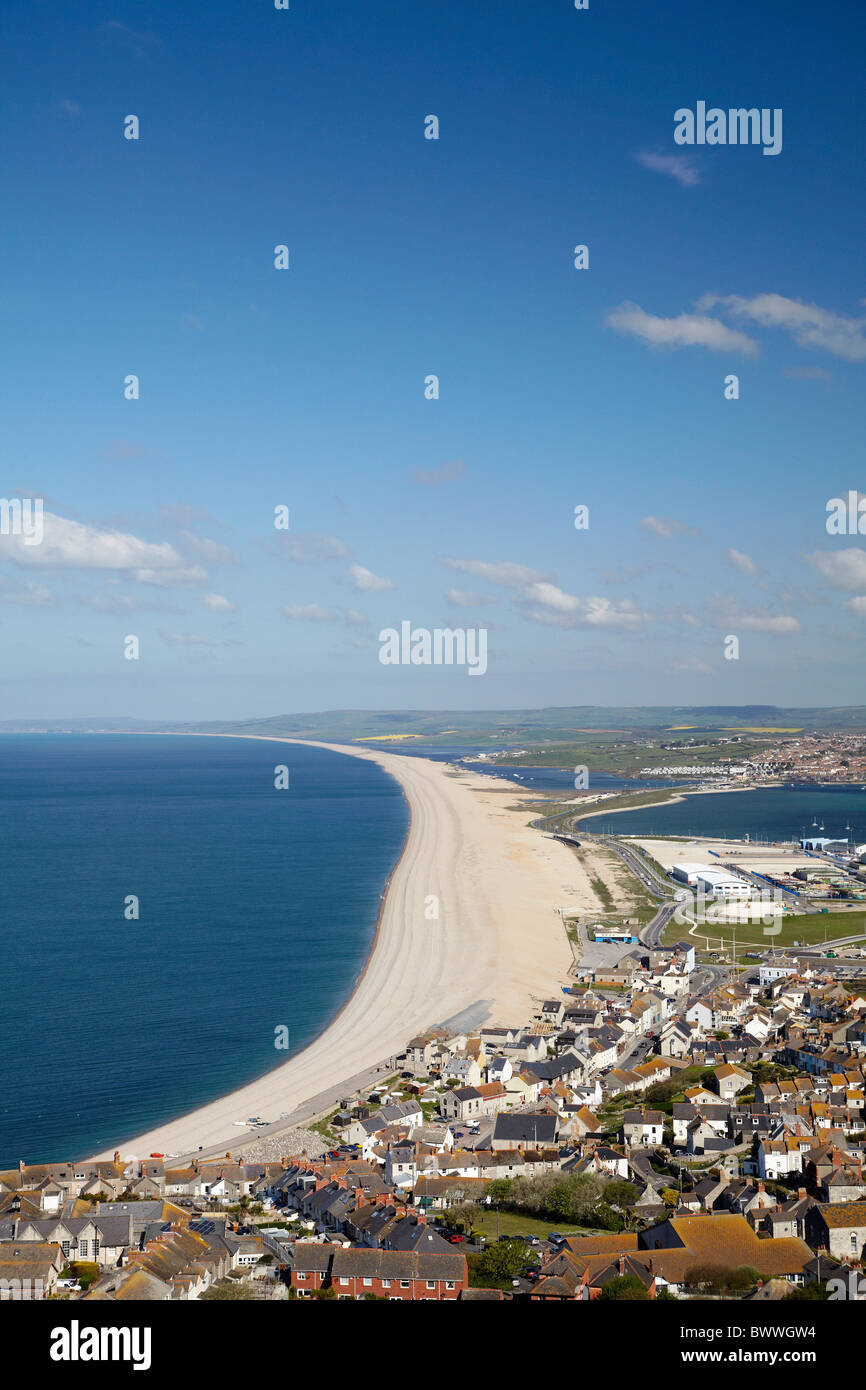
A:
[449,1283]
[302,1276]
[368,1283]
[82,1249]
[404,1283]
[386,1283]
[431,1283]
[344,1282]
[64,1246]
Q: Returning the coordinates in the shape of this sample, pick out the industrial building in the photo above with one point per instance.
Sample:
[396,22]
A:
[820,842]
[714,883]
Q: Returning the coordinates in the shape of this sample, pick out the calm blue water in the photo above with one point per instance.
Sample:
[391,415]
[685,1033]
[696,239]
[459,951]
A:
[561,779]
[257,909]
[771,813]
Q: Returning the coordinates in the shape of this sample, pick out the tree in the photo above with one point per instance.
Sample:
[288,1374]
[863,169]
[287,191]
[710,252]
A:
[719,1278]
[459,1218]
[499,1190]
[504,1259]
[625,1288]
[87,1272]
[620,1194]
[232,1291]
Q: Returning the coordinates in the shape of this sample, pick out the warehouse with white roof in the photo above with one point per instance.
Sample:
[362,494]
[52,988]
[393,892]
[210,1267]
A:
[715,883]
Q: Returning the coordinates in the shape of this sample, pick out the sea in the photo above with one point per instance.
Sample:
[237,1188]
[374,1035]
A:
[164,910]
[167,913]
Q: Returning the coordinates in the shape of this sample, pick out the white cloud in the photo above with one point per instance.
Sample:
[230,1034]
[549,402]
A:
[436,477]
[808,374]
[742,562]
[209,550]
[318,613]
[842,569]
[857,605]
[758,622]
[189,577]
[364,581]
[70,544]
[692,665]
[217,604]
[687,330]
[542,601]
[548,604]
[678,166]
[352,618]
[310,613]
[666,526]
[726,612]
[312,547]
[506,573]
[809,325]
[468,598]
[126,603]
[26,595]
[193,639]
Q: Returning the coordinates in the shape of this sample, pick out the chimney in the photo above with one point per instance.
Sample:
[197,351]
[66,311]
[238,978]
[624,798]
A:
[621,1264]
[21,1165]
[801,1193]
[117,1155]
[761,1187]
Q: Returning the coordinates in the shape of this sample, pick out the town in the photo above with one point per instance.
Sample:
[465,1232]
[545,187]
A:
[663,1129]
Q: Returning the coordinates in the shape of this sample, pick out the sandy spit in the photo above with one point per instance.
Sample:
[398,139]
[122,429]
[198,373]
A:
[498,939]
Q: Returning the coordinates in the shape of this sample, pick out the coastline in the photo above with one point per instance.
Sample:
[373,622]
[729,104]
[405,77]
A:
[497,947]
[677,795]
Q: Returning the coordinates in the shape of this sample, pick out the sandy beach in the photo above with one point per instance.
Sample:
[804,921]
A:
[498,943]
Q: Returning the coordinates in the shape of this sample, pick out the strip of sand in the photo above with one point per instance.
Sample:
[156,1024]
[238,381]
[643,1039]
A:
[498,938]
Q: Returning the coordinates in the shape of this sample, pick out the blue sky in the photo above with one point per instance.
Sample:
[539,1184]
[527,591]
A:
[409,256]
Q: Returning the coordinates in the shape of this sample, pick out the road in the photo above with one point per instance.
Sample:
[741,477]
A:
[310,1110]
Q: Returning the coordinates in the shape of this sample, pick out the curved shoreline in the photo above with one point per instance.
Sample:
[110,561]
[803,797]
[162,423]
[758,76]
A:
[496,948]
[677,795]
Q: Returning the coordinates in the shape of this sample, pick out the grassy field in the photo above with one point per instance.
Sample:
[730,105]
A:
[810,929]
[626,756]
[513,1223]
[658,796]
